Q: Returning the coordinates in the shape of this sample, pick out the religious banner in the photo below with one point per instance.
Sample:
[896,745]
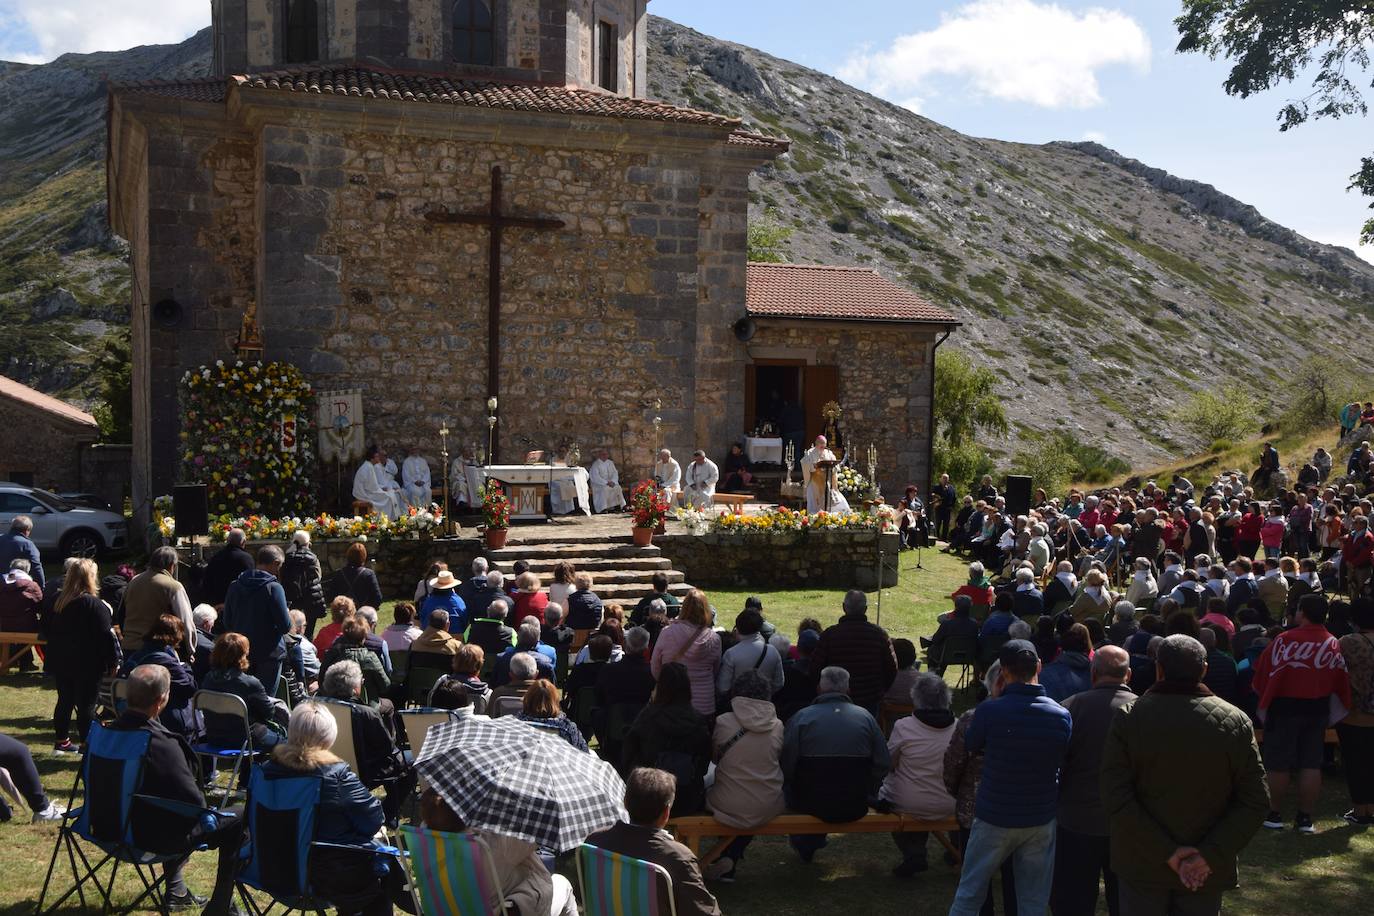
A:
[288,432]
[341,424]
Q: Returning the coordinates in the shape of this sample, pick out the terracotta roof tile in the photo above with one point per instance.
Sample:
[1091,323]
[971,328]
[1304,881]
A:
[210,89]
[9,388]
[834,293]
[760,141]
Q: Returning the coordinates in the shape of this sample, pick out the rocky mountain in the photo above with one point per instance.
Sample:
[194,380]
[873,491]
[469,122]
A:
[1100,289]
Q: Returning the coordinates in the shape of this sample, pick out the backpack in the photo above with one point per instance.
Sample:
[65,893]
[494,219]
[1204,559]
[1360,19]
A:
[691,790]
[295,578]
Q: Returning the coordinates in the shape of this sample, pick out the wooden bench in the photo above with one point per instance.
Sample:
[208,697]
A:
[14,645]
[692,830]
[735,501]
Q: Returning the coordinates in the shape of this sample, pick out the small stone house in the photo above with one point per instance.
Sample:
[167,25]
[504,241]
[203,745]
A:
[42,438]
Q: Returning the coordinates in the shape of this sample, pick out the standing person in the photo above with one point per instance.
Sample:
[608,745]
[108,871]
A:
[1300,520]
[150,594]
[224,568]
[821,494]
[1350,418]
[1023,736]
[256,607]
[1357,554]
[303,581]
[944,497]
[1174,841]
[1357,729]
[861,648]
[356,580]
[81,650]
[16,545]
[1081,849]
[690,641]
[1297,677]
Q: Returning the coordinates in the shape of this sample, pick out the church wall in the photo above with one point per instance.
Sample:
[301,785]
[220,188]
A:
[343,30]
[263,26]
[426,30]
[884,381]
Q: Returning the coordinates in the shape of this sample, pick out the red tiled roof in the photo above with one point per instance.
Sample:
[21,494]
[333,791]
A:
[834,293]
[759,141]
[9,388]
[373,83]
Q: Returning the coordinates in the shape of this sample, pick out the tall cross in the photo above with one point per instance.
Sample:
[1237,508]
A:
[496,222]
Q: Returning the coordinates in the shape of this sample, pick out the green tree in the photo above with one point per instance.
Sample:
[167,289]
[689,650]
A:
[1219,415]
[768,239]
[966,403]
[1315,393]
[114,369]
[1049,462]
[1270,42]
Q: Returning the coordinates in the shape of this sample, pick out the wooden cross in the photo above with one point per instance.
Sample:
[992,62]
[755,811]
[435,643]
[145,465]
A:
[496,221]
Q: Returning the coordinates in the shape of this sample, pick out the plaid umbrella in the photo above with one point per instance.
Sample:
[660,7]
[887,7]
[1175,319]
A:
[519,780]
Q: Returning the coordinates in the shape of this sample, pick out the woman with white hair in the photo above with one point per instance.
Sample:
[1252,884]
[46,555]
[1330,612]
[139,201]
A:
[1027,600]
[1143,589]
[1094,599]
[915,782]
[353,881]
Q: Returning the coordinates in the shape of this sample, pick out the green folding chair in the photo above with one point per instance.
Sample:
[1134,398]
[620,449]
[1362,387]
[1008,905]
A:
[454,874]
[616,885]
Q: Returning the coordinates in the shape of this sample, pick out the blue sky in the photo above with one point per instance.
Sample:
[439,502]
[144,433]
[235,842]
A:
[1026,70]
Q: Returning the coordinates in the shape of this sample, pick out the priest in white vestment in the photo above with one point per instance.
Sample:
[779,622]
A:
[459,489]
[701,476]
[668,475]
[817,478]
[604,482]
[416,486]
[370,485]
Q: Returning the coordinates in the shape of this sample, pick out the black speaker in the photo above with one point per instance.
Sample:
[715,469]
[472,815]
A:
[167,314]
[1018,496]
[744,329]
[191,509]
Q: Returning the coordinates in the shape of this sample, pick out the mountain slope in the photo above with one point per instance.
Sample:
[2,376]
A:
[1100,289]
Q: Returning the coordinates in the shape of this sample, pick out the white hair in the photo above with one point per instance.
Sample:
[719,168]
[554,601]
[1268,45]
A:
[342,680]
[298,620]
[781,643]
[523,667]
[496,579]
[637,639]
[833,680]
[976,569]
[1024,575]
[501,603]
[994,670]
[929,691]
[369,614]
[313,726]
[479,566]
[553,613]
[528,634]
[301,538]
[1125,610]
[205,616]
[1019,629]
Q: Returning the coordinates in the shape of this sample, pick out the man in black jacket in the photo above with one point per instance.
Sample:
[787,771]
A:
[380,761]
[169,772]
[861,648]
[230,562]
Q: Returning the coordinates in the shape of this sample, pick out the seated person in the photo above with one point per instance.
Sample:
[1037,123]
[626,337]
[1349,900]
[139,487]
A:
[747,745]
[1124,626]
[435,645]
[352,880]
[585,676]
[1026,599]
[526,884]
[229,674]
[400,634]
[1070,672]
[908,669]
[623,688]
[585,609]
[523,672]
[450,696]
[310,656]
[1059,594]
[491,633]
[205,617]
[381,762]
[530,599]
[750,652]
[1143,671]
[351,646]
[670,734]
[799,682]
[160,648]
[540,707]
[1222,672]
[1001,617]
[443,595]
[738,472]
[670,601]
[649,801]
[20,599]
[340,609]
[526,642]
[483,596]
[374,643]
[553,632]
[915,784]
[16,758]
[978,588]
[958,624]
[467,674]
[169,772]
[833,757]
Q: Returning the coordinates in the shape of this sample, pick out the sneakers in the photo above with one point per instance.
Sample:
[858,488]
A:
[1274,821]
[1350,817]
[65,746]
[1303,824]
[186,901]
[722,870]
[49,814]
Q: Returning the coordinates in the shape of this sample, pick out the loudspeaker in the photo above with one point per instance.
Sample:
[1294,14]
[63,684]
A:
[1018,496]
[167,314]
[191,509]
[744,329]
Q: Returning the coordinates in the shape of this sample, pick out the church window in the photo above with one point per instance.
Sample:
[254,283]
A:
[608,42]
[473,34]
[302,31]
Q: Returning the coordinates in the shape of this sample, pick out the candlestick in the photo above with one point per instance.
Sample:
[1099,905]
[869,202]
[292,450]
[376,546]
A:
[443,455]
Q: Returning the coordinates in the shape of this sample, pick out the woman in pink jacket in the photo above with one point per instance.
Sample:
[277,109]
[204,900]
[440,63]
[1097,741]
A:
[690,641]
[1272,532]
[915,783]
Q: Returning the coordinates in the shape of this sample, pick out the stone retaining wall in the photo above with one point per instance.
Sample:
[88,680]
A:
[832,559]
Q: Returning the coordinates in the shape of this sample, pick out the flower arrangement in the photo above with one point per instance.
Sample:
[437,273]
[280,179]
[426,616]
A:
[495,506]
[648,507]
[246,435]
[418,524]
[783,519]
[696,520]
[851,483]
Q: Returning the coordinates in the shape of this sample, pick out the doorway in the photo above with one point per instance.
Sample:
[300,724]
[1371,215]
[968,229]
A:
[771,386]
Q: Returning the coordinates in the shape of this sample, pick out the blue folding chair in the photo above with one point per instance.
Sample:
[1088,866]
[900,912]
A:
[106,783]
[213,705]
[281,831]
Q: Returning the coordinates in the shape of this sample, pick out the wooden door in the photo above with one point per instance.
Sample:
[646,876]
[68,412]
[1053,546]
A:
[820,384]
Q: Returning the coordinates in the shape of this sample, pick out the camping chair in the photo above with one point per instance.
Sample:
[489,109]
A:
[422,679]
[616,885]
[957,652]
[486,632]
[506,706]
[584,710]
[400,663]
[110,773]
[612,728]
[223,704]
[281,830]
[284,691]
[417,723]
[454,873]
[344,747]
[560,667]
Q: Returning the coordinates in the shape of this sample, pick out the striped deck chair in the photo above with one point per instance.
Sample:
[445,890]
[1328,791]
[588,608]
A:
[616,885]
[454,874]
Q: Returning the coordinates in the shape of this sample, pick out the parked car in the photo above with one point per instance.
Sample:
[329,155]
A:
[63,526]
[88,500]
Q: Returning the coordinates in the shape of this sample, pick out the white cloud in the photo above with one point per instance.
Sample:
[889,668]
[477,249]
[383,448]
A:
[1013,50]
[40,30]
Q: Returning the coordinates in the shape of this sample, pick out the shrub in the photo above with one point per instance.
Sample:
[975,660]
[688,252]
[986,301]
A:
[1224,413]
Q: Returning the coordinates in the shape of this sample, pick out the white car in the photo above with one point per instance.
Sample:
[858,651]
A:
[62,526]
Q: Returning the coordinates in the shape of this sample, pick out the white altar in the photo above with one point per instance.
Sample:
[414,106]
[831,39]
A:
[526,483]
[767,450]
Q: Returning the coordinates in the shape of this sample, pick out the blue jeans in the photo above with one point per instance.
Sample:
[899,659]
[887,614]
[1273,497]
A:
[1031,850]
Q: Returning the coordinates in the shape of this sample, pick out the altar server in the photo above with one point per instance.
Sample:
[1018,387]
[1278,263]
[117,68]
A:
[701,475]
[417,489]
[604,480]
[668,475]
[370,484]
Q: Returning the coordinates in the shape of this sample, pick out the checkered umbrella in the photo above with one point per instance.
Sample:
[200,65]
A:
[519,780]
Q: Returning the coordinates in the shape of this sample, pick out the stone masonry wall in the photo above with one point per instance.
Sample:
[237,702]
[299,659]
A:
[833,559]
[35,442]
[884,381]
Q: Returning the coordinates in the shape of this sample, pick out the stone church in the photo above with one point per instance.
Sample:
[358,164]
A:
[438,201]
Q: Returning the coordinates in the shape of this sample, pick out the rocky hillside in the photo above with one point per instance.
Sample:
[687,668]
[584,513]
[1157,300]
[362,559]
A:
[1101,290]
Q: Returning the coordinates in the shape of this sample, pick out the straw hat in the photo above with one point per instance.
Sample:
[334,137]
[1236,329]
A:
[445,579]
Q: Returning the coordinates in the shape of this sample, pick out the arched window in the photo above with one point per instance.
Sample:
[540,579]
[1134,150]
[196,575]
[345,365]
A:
[473,35]
[302,20]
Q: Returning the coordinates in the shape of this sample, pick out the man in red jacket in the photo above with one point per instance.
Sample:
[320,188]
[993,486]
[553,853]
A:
[1357,554]
[1302,685]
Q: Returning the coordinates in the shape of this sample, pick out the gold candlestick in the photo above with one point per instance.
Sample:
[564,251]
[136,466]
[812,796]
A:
[443,455]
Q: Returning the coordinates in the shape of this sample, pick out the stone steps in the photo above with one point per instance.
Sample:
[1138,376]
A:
[553,551]
[544,565]
[622,571]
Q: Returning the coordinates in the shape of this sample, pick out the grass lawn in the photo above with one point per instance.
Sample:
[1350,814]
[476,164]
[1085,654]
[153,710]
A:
[1280,873]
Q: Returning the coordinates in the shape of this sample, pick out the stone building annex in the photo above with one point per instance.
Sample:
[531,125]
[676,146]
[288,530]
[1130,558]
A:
[355,169]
